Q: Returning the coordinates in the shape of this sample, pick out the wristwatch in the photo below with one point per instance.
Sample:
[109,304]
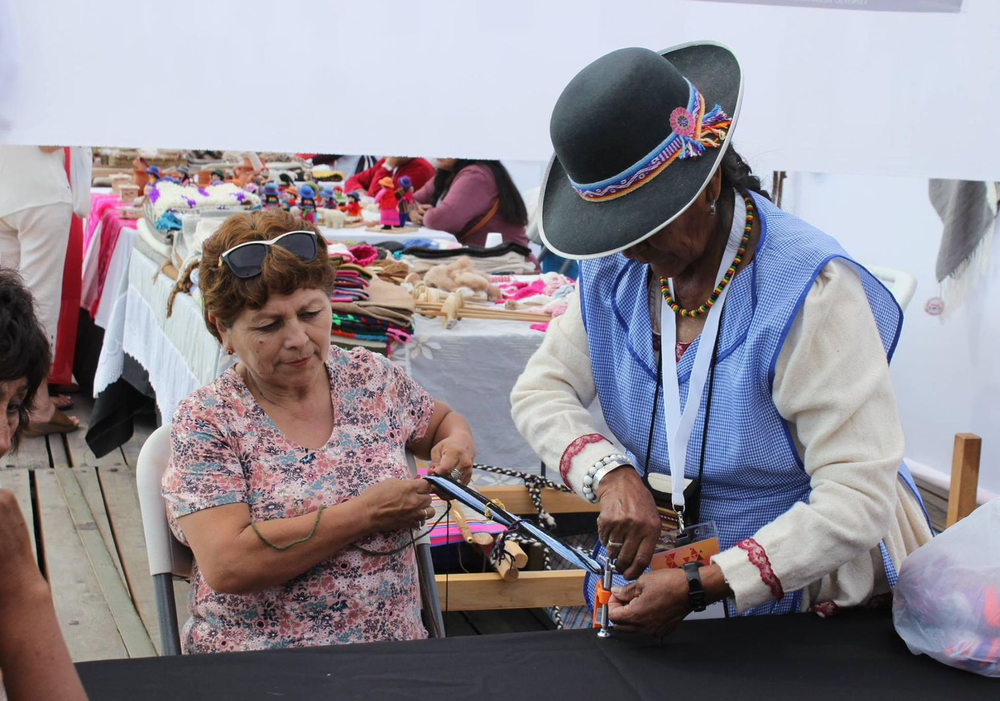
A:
[696,588]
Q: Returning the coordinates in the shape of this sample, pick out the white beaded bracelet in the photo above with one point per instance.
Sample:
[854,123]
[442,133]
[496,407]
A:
[597,472]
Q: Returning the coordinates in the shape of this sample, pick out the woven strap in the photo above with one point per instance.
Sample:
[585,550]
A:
[482,222]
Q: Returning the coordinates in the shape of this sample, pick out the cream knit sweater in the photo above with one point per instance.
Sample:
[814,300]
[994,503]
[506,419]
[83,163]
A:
[832,386]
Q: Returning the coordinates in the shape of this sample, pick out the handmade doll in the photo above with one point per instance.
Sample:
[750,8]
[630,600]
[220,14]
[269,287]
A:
[387,203]
[271,196]
[307,203]
[354,206]
[154,176]
[289,198]
[327,198]
[340,197]
[218,177]
[405,196]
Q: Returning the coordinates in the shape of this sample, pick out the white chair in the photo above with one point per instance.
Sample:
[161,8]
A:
[901,285]
[168,558]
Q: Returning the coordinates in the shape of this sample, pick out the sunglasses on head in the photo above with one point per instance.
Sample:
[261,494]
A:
[247,259]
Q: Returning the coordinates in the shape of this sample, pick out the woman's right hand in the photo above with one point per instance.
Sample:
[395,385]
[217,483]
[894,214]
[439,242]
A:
[395,505]
[629,525]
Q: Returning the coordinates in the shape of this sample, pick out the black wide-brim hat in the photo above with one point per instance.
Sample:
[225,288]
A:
[613,115]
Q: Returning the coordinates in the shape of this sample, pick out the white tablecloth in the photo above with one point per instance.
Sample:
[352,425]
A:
[472,367]
[178,353]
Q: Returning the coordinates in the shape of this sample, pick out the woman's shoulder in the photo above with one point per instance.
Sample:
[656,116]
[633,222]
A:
[214,399]
[358,362]
[477,170]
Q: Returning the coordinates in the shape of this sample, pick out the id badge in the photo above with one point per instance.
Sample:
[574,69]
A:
[699,543]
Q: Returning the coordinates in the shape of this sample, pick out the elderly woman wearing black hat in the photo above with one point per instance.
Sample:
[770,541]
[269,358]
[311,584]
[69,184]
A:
[739,355]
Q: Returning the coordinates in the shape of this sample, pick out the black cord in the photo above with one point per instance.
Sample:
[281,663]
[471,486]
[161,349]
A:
[401,548]
[652,422]
[708,407]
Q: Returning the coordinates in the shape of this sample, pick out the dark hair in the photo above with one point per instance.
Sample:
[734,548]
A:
[226,296]
[24,347]
[512,209]
[736,174]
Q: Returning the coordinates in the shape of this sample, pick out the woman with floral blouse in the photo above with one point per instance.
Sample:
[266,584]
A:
[288,476]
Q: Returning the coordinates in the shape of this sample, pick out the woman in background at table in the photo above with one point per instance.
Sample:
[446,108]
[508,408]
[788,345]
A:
[470,199]
[34,661]
[288,475]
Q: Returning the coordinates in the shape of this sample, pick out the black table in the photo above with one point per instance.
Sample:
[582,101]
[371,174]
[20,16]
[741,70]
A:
[857,656]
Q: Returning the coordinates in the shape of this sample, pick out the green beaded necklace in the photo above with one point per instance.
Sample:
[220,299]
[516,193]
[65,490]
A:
[730,273]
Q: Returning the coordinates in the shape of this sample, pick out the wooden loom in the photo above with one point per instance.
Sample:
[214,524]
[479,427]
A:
[526,589]
[452,306]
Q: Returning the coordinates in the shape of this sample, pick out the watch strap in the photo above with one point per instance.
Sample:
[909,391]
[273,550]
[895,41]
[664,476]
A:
[696,590]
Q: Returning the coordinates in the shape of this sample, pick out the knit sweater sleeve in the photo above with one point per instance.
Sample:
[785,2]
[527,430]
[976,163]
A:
[551,398]
[468,199]
[832,386]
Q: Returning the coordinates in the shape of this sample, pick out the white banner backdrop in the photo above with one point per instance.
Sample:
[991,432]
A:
[884,5]
[850,92]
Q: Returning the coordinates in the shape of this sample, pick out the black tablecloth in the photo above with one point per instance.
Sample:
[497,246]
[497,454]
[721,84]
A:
[789,657]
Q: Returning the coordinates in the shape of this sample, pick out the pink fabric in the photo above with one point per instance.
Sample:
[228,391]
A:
[111,227]
[364,255]
[522,290]
[226,450]
[99,205]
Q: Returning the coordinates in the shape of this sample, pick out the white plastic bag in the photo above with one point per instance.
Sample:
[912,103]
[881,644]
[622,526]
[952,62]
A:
[947,603]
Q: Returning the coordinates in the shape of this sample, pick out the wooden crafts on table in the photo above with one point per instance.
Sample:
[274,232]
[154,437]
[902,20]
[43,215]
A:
[454,306]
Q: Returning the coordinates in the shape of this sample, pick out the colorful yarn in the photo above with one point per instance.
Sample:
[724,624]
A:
[730,273]
[694,131]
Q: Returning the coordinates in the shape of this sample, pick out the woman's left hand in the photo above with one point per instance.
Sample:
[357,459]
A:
[416,216]
[654,604]
[456,452]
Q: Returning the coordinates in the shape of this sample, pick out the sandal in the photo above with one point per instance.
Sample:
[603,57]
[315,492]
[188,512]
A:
[62,401]
[59,423]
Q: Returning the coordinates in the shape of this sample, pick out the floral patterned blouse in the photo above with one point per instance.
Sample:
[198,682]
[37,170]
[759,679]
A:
[226,449]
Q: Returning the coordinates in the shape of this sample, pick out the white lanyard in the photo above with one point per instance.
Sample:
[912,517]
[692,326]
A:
[683,423]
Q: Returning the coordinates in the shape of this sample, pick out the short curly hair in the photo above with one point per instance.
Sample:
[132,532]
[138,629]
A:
[24,347]
[227,296]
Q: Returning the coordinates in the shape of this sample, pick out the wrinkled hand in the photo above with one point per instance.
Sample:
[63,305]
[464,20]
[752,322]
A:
[654,604]
[416,216]
[422,208]
[456,452]
[18,571]
[628,516]
[395,505]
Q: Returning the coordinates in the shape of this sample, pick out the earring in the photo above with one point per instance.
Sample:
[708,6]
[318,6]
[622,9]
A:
[229,351]
[711,208]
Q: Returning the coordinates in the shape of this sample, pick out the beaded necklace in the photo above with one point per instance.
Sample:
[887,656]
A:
[730,273]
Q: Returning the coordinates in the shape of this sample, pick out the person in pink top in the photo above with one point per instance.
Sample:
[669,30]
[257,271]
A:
[288,476]
[471,199]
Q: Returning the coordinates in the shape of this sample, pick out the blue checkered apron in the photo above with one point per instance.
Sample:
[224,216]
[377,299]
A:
[752,472]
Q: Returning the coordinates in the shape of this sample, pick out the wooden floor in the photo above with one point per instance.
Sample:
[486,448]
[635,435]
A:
[90,546]
[89,539]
